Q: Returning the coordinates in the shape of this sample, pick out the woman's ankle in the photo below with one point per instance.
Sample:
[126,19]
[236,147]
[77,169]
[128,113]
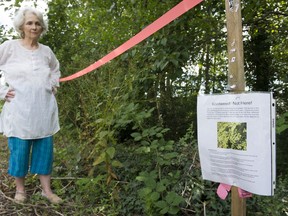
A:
[47,192]
[20,190]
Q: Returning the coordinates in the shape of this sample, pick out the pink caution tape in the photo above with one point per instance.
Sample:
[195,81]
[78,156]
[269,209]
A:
[223,190]
[244,194]
[165,19]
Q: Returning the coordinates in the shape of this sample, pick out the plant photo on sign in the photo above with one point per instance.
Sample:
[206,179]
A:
[232,135]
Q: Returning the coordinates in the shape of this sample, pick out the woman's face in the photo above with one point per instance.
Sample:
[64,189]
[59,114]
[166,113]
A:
[32,28]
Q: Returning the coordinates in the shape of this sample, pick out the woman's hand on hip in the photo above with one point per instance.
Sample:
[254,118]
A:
[10,94]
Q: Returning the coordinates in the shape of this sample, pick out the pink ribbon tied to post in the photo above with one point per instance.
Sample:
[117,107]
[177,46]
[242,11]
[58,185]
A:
[224,189]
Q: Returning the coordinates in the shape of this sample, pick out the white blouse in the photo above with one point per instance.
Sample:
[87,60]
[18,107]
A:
[32,74]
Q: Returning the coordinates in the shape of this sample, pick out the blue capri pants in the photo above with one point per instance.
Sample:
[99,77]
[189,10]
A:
[41,160]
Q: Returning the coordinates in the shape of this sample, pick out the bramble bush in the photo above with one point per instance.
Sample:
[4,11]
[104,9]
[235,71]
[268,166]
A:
[158,177]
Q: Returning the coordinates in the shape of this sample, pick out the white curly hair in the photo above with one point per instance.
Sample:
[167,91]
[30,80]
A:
[20,19]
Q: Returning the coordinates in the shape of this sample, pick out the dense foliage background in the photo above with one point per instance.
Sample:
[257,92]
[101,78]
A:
[128,143]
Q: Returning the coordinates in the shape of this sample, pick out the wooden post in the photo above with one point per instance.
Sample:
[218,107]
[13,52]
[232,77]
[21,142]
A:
[236,77]
[238,205]
[236,81]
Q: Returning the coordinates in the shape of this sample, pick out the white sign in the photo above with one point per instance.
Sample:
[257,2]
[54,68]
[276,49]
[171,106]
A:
[236,140]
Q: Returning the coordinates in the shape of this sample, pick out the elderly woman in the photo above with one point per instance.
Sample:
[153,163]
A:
[29,117]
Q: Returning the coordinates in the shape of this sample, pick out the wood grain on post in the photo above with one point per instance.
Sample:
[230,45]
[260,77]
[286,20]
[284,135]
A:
[238,205]
[236,77]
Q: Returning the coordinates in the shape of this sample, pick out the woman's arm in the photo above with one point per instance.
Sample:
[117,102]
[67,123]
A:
[55,72]
[3,58]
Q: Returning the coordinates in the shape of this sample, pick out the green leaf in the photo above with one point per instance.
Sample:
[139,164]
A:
[173,210]
[100,159]
[169,156]
[150,182]
[164,210]
[161,204]
[154,144]
[145,143]
[174,199]
[154,196]
[175,62]
[143,149]
[145,132]
[160,187]
[141,178]
[116,163]
[159,135]
[111,152]
[144,192]
[134,52]
[137,136]
[164,41]
[103,134]
[99,120]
